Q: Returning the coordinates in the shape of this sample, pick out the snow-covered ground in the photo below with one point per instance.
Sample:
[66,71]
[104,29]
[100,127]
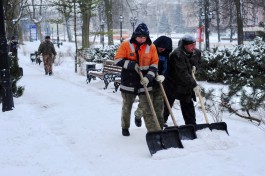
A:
[62,126]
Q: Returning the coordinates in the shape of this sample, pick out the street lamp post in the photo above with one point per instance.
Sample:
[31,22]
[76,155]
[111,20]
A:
[133,21]
[121,20]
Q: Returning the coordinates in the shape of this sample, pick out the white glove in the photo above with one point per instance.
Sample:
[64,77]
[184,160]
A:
[137,68]
[160,78]
[197,90]
[38,56]
[193,69]
[144,81]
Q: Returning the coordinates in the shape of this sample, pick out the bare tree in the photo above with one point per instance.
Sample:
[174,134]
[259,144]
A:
[13,13]
[65,7]
[86,7]
[35,12]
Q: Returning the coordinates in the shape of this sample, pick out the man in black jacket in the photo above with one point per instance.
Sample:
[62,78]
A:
[179,83]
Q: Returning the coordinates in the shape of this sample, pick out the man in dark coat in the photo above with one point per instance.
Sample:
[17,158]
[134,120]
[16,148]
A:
[48,52]
[179,83]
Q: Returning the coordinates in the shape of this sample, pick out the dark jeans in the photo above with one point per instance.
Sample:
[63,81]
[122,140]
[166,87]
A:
[187,109]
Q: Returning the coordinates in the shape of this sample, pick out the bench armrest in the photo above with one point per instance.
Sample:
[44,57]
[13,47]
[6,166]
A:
[94,69]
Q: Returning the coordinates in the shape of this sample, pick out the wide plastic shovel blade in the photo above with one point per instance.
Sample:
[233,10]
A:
[219,126]
[161,140]
[186,132]
[202,126]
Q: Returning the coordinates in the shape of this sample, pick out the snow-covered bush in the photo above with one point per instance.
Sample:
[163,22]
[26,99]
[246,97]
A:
[242,68]
[99,54]
[238,62]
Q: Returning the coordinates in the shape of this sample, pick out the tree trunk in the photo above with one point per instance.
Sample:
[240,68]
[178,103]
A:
[218,19]
[240,34]
[20,34]
[85,29]
[108,12]
[68,30]
[39,31]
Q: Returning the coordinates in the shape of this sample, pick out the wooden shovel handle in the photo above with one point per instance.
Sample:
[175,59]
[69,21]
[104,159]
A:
[150,103]
[167,103]
[200,99]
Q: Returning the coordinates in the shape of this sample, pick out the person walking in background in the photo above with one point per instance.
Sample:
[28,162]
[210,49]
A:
[13,45]
[164,48]
[134,55]
[48,52]
[179,83]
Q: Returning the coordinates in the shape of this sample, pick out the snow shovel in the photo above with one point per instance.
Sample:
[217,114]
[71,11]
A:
[212,126]
[160,140]
[186,132]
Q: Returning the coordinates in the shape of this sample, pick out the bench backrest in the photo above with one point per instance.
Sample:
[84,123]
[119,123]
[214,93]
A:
[109,67]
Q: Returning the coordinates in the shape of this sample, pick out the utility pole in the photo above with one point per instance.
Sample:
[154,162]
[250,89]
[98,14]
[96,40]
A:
[58,39]
[6,85]
[75,36]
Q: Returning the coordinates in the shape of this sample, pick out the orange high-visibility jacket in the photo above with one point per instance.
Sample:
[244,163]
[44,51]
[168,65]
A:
[126,57]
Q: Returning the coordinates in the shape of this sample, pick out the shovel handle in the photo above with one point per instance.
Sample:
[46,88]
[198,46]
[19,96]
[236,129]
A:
[150,103]
[200,100]
[167,103]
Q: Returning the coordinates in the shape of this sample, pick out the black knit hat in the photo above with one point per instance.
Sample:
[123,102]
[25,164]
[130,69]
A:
[47,37]
[188,39]
[141,30]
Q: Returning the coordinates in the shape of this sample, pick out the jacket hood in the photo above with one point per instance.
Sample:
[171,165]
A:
[164,42]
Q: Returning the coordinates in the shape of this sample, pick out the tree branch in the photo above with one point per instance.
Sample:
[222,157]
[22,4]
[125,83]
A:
[230,109]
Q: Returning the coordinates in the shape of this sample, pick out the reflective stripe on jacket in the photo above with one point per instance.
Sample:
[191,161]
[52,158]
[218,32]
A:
[126,58]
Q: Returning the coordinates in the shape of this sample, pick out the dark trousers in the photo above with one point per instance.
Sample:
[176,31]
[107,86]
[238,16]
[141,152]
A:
[187,109]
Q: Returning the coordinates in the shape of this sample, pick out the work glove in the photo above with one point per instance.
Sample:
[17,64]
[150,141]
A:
[193,69]
[38,56]
[144,81]
[160,78]
[137,68]
[197,90]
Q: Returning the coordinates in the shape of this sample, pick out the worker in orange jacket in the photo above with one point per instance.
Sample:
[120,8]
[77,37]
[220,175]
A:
[134,55]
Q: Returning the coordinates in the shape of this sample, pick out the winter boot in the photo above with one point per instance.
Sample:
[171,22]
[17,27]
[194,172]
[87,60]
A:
[138,122]
[125,132]
[50,73]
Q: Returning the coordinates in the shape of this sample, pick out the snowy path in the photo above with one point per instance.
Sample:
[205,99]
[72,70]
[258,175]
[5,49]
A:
[64,127]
